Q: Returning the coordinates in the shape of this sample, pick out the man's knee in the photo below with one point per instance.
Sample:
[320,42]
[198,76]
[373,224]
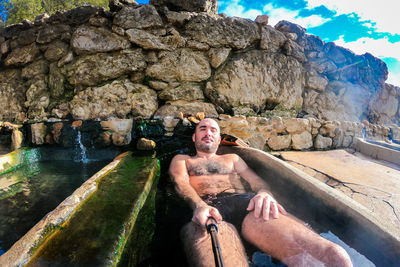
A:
[337,256]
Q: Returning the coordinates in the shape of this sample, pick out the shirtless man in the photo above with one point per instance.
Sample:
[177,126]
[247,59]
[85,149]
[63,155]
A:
[212,186]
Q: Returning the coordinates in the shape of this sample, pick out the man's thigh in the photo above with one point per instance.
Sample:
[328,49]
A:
[284,237]
[198,246]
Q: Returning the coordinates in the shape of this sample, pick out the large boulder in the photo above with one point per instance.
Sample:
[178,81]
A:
[22,55]
[142,17]
[385,105]
[340,101]
[12,96]
[234,32]
[119,99]
[258,80]
[209,6]
[183,65]
[90,70]
[91,40]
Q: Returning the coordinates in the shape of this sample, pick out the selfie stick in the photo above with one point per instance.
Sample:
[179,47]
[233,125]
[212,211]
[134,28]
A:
[213,230]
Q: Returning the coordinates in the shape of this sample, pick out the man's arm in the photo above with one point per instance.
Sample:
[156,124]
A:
[263,203]
[179,175]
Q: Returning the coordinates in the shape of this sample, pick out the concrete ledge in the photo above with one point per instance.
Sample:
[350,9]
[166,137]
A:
[374,150]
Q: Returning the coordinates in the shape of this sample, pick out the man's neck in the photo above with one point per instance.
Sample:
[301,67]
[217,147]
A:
[205,155]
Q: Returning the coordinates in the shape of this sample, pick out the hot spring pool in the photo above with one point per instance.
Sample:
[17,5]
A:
[29,192]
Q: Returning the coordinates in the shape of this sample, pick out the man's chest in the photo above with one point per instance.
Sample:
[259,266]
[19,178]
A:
[208,167]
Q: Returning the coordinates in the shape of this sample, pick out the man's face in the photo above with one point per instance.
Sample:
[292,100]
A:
[207,136]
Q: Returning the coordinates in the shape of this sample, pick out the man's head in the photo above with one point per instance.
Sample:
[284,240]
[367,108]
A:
[207,136]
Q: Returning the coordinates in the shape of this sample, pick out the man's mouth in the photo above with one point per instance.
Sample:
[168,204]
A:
[207,139]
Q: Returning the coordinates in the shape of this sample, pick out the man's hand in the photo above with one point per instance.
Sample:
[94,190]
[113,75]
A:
[264,204]
[201,214]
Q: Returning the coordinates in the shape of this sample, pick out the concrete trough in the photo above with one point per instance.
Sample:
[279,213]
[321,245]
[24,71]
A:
[324,208]
[379,150]
[91,226]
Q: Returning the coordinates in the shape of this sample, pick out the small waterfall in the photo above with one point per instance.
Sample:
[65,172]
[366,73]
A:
[364,133]
[81,153]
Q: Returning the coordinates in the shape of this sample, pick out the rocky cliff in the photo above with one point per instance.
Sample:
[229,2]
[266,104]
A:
[156,60]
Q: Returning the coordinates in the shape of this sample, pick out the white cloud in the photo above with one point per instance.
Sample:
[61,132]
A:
[278,14]
[236,10]
[384,12]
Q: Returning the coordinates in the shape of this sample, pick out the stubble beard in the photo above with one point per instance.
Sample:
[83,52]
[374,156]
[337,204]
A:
[206,147]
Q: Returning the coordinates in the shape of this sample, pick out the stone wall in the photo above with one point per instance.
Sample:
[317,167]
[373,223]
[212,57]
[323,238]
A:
[272,134]
[152,61]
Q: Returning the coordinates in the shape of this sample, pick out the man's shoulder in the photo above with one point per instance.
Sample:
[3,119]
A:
[230,156]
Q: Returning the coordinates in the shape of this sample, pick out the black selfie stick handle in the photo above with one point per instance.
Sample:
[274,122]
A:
[212,228]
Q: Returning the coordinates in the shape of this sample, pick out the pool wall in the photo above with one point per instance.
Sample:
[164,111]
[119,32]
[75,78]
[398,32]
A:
[379,150]
[302,194]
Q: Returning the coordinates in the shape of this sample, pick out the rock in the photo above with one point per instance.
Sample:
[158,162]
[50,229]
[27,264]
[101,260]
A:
[322,65]
[178,18]
[91,40]
[142,17]
[120,130]
[271,39]
[208,6]
[286,26]
[89,70]
[38,131]
[234,32]
[36,68]
[291,48]
[16,139]
[385,104]
[279,142]
[5,47]
[66,59]
[302,141]
[170,122]
[270,78]
[145,144]
[76,124]
[328,129]
[26,37]
[22,55]
[322,142]
[218,56]
[145,40]
[12,96]
[315,81]
[183,65]
[56,50]
[173,108]
[186,91]
[52,32]
[56,131]
[341,101]
[56,81]
[295,125]
[262,19]
[118,99]
[116,5]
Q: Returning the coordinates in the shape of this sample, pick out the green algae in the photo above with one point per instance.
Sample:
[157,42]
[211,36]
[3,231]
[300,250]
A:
[138,246]
[97,232]
[18,158]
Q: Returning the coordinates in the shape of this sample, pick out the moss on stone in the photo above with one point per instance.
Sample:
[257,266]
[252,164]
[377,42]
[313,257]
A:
[97,232]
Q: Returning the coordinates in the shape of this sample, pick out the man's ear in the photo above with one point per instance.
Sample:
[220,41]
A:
[194,137]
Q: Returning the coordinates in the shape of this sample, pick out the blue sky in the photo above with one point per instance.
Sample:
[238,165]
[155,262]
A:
[359,25]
